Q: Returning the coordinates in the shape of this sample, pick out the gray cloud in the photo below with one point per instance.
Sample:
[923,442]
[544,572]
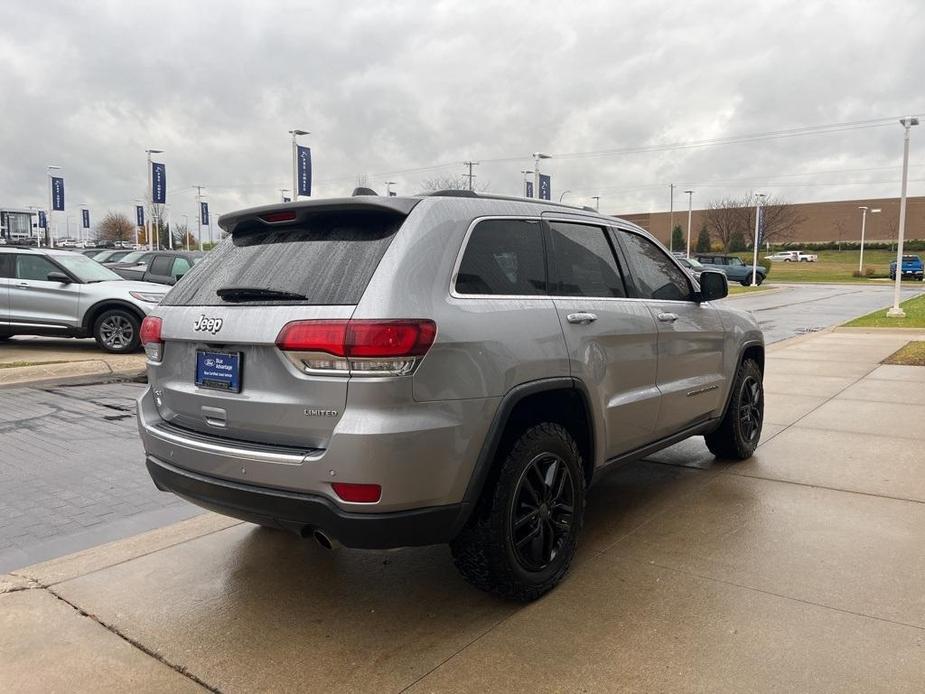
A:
[390,86]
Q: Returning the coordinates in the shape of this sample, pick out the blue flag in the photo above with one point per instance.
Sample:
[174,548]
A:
[545,188]
[43,220]
[305,171]
[57,193]
[760,227]
[158,183]
[139,215]
[529,188]
[85,215]
[204,212]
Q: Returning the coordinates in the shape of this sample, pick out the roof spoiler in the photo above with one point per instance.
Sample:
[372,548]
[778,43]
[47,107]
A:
[266,217]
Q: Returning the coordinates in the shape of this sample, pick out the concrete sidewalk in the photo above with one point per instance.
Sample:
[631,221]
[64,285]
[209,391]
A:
[798,570]
[57,359]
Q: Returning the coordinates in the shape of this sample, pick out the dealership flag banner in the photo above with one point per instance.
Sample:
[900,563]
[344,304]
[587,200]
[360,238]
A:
[57,193]
[760,226]
[305,171]
[204,212]
[43,220]
[545,188]
[139,215]
[158,183]
[529,186]
[85,214]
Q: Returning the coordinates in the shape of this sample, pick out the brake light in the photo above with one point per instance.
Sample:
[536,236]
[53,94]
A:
[274,217]
[358,493]
[150,335]
[367,347]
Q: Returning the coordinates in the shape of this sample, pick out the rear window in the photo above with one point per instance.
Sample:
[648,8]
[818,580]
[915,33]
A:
[503,257]
[329,260]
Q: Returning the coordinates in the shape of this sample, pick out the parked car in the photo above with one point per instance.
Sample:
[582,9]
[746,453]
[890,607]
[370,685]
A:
[912,268]
[128,258]
[692,265]
[91,252]
[734,268]
[110,256]
[393,371]
[163,267]
[61,293]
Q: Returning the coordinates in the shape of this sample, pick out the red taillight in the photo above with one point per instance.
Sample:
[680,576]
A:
[358,493]
[273,217]
[150,335]
[361,339]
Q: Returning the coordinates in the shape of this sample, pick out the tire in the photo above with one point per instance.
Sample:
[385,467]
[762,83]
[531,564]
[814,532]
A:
[523,533]
[117,331]
[737,437]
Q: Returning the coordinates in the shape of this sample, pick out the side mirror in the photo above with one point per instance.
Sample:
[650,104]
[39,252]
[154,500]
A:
[713,285]
[58,277]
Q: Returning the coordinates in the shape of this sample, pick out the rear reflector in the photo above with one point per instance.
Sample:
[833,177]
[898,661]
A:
[150,335]
[357,493]
[273,217]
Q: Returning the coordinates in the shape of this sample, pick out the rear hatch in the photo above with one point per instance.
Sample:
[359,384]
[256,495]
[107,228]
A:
[222,372]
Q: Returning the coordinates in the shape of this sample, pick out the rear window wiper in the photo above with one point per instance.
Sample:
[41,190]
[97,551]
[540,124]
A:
[236,294]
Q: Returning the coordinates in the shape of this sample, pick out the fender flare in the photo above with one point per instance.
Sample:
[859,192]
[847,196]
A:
[106,304]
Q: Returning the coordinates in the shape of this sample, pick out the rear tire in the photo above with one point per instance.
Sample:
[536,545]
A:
[117,331]
[738,434]
[522,536]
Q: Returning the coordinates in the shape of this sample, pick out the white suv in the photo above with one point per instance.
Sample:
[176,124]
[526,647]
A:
[59,293]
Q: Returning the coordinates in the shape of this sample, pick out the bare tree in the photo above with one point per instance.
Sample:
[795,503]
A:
[449,182]
[728,217]
[116,226]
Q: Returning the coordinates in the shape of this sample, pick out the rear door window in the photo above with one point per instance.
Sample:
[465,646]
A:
[583,262]
[503,257]
[328,260]
[160,265]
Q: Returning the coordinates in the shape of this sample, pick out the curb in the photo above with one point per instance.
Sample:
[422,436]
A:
[65,373]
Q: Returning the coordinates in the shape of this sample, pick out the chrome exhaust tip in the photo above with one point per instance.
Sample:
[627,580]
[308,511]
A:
[325,540]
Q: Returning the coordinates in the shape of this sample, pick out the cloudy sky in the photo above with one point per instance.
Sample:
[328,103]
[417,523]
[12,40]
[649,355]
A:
[405,91]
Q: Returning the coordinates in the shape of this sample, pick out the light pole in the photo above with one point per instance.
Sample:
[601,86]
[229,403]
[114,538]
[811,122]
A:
[49,241]
[690,211]
[564,193]
[185,230]
[671,218]
[169,228]
[388,188]
[470,175]
[536,171]
[758,199]
[150,197]
[863,209]
[526,172]
[597,202]
[282,194]
[295,163]
[67,224]
[896,311]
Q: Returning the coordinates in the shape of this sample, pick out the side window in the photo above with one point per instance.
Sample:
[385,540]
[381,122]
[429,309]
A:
[584,262]
[503,256]
[180,267]
[33,267]
[6,265]
[160,265]
[655,275]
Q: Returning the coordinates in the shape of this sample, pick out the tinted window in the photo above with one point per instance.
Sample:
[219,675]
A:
[161,265]
[33,267]
[503,256]
[180,267]
[329,260]
[6,265]
[584,261]
[654,273]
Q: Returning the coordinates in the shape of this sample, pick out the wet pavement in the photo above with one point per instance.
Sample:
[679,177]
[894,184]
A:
[797,570]
[797,309]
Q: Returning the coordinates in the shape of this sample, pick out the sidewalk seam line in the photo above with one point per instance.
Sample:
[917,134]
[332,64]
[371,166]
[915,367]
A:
[179,669]
[827,488]
[763,591]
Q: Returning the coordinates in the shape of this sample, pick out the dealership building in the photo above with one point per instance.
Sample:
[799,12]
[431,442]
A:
[838,221]
[17,224]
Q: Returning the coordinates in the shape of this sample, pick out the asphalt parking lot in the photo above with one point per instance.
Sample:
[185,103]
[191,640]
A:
[797,570]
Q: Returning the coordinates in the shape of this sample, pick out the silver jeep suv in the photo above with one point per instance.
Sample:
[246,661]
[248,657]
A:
[59,293]
[384,372]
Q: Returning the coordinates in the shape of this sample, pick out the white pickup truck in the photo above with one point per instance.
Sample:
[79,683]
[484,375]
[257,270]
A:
[793,257]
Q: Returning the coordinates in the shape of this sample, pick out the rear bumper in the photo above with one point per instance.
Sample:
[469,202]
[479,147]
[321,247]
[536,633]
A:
[303,513]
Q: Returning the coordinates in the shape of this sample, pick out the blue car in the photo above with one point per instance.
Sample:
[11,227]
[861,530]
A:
[912,268]
[736,270]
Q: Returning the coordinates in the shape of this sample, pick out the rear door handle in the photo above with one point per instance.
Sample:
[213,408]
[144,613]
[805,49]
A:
[581,318]
[23,285]
[668,317]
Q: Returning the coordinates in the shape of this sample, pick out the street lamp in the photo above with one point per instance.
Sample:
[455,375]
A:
[295,162]
[526,172]
[896,311]
[51,204]
[690,208]
[282,194]
[758,198]
[185,230]
[597,202]
[564,193]
[388,188]
[536,170]
[864,210]
[671,218]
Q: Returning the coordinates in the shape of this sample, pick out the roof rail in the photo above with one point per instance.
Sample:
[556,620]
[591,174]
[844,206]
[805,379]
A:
[511,198]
